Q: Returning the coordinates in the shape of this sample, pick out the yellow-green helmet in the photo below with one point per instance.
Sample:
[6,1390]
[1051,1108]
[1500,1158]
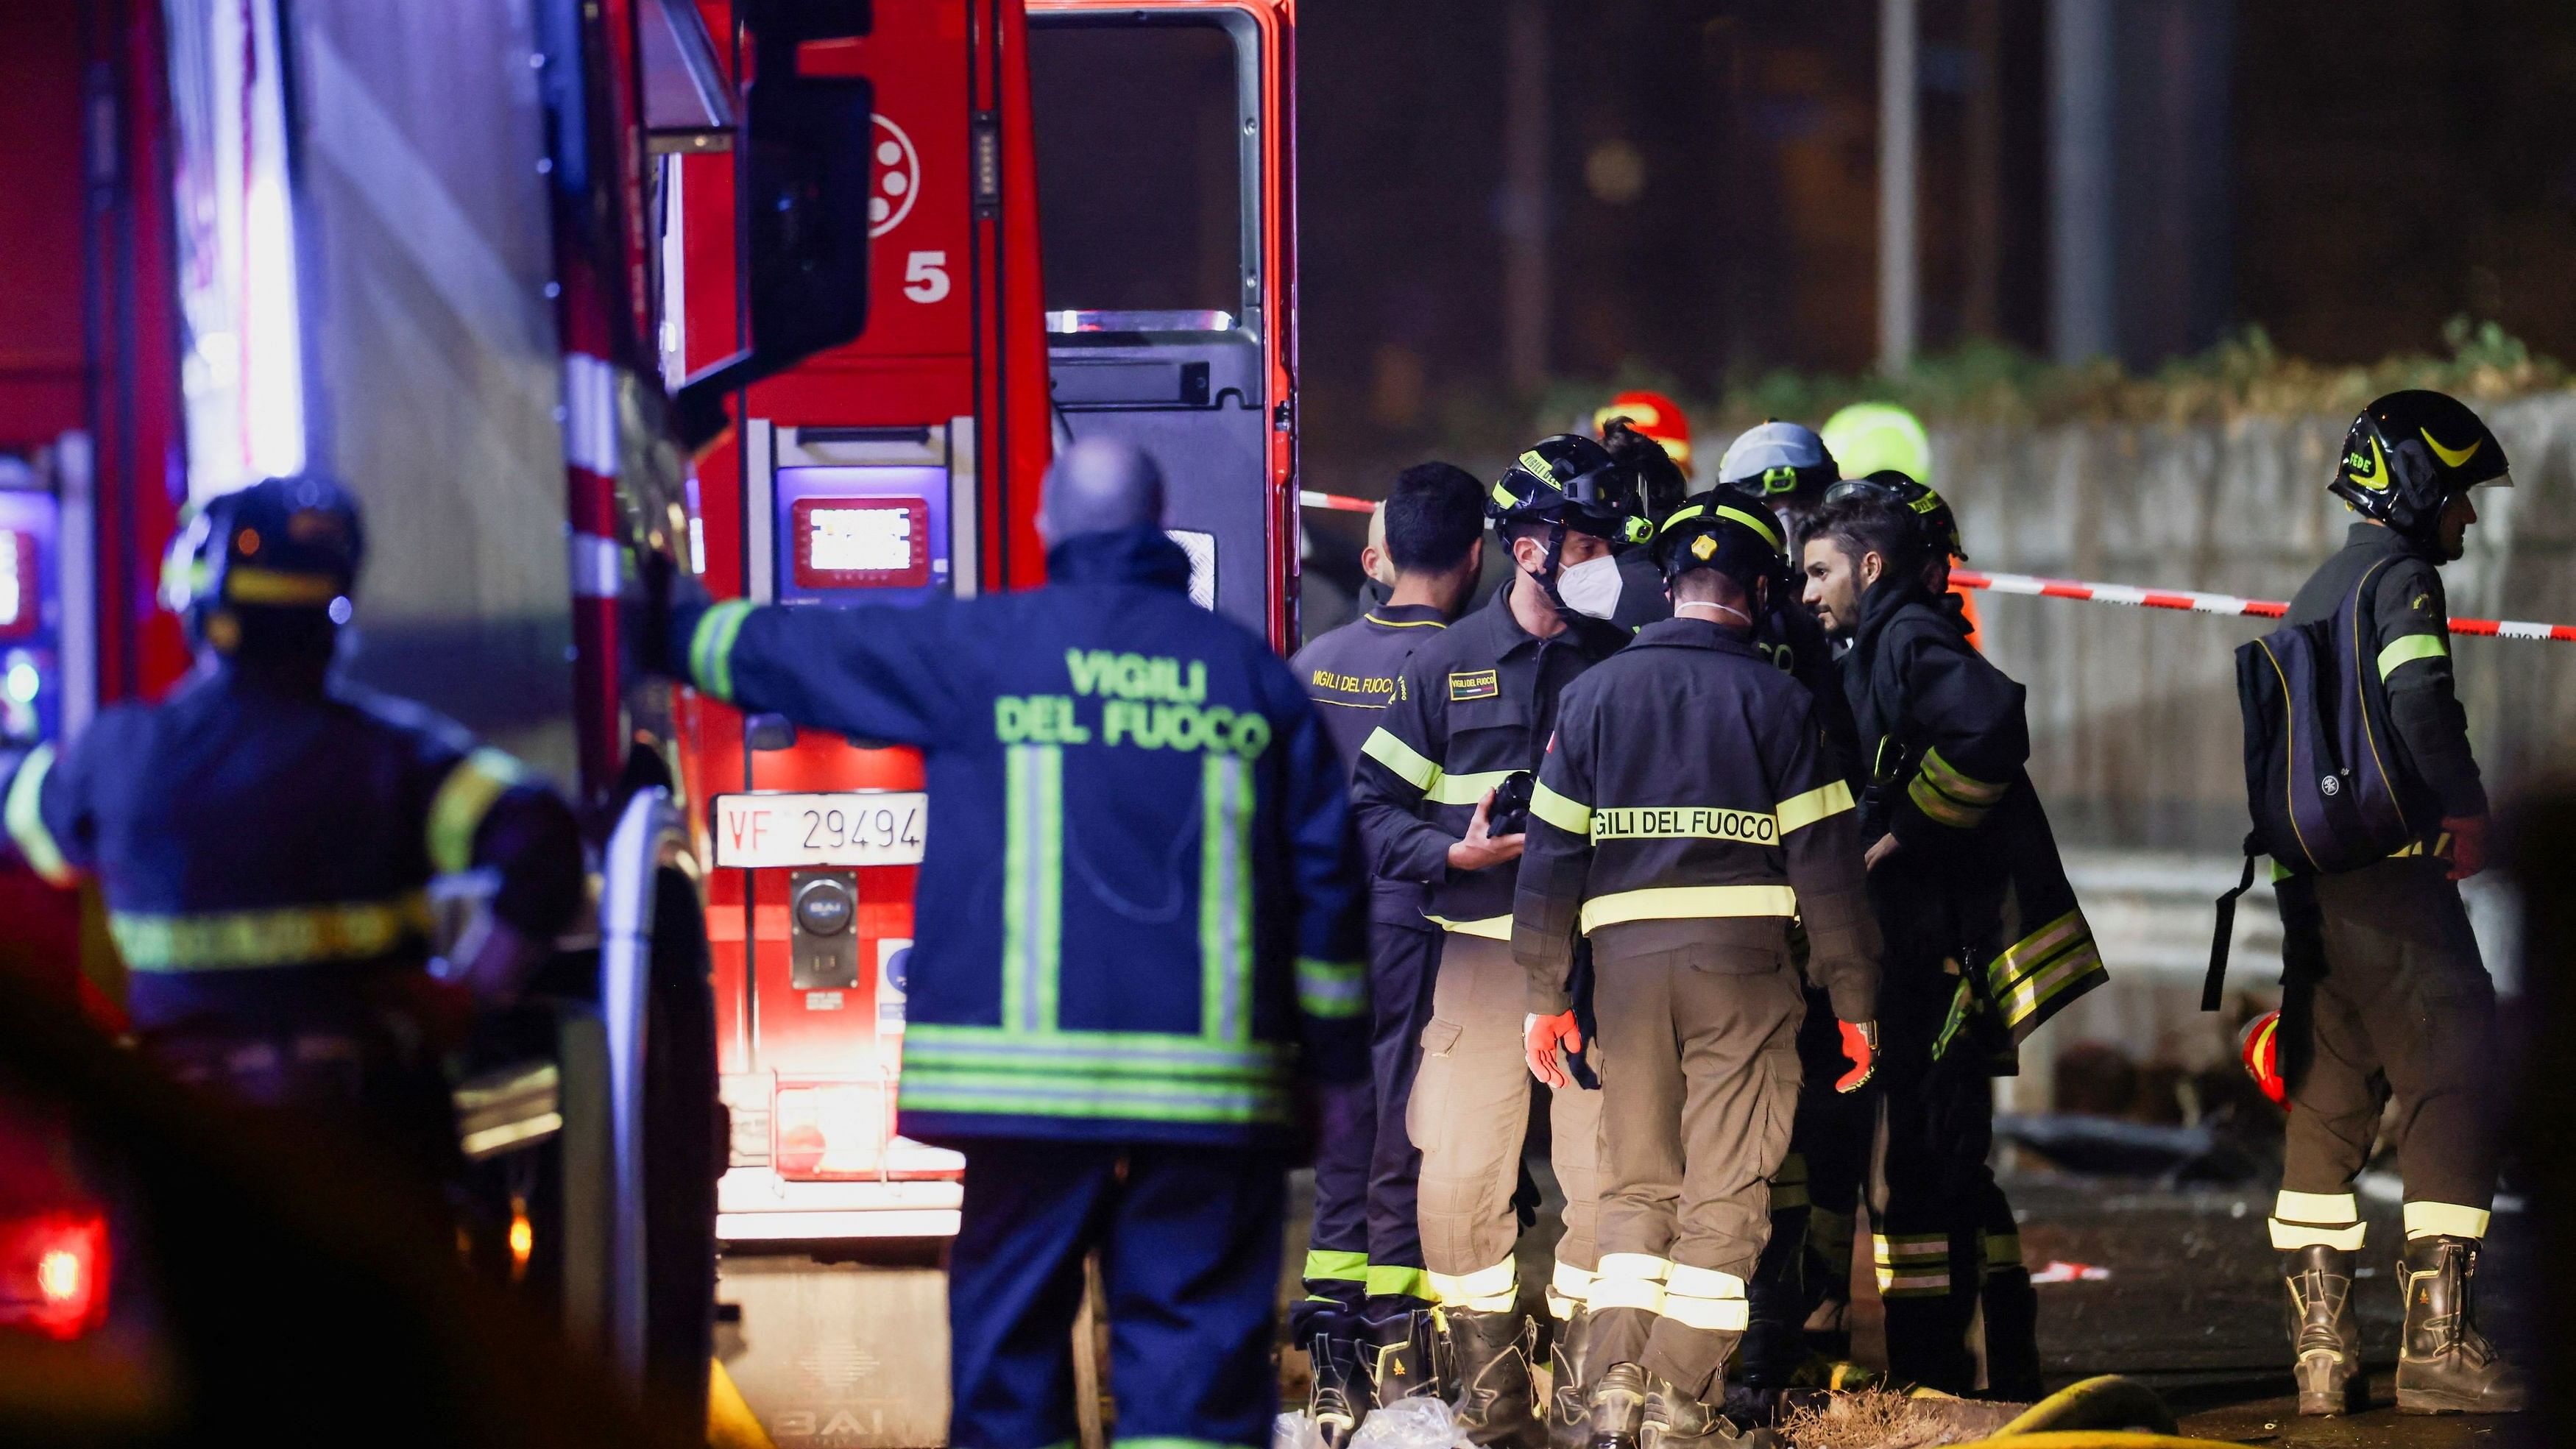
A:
[1867,437]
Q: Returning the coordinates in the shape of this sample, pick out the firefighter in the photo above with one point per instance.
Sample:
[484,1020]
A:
[264,838]
[1683,865]
[1473,711]
[1785,463]
[1984,939]
[1152,926]
[1364,1277]
[1874,437]
[2385,994]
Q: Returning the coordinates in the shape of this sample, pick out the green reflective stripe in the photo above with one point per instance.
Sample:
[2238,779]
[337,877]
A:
[1686,903]
[1469,790]
[1934,802]
[2046,985]
[1769,530]
[1406,762]
[1387,1280]
[1950,1025]
[1225,898]
[248,940]
[1334,1265]
[1680,516]
[931,1087]
[2411,647]
[1332,989]
[1822,803]
[1032,885]
[990,1050]
[23,815]
[1492,928]
[2041,966]
[1571,816]
[463,799]
[711,647]
[1964,788]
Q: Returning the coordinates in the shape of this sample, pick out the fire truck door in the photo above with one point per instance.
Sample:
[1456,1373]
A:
[1148,126]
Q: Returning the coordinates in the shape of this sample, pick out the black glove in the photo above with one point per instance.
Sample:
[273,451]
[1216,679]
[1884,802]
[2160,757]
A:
[651,613]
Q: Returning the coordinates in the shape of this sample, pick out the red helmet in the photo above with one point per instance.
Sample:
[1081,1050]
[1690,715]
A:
[1656,416]
[2260,1046]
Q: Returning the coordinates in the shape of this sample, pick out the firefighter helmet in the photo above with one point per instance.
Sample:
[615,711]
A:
[1866,437]
[1940,525]
[2409,454]
[1726,528]
[1572,481]
[1661,483]
[280,548]
[1653,415]
[1779,458]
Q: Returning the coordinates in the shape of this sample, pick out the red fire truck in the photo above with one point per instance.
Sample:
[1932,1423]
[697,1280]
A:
[507,301]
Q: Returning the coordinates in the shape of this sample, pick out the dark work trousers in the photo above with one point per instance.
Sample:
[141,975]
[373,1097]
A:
[1189,1240]
[1364,1260]
[2385,995]
[1404,962]
[1699,1084]
[1831,1141]
[1931,1192]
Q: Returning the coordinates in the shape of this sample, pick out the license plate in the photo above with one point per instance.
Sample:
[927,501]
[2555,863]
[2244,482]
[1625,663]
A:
[877,827]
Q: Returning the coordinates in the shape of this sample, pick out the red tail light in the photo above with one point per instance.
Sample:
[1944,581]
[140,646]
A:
[836,1130]
[53,1273]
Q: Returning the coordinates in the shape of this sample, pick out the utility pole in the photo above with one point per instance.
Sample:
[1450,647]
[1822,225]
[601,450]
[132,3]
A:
[1898,95]
[1524,208]
[2082,267]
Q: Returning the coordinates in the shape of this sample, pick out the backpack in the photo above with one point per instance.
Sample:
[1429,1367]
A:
[2324,781]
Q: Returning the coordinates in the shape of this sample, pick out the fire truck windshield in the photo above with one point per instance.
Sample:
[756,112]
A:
[1144,138]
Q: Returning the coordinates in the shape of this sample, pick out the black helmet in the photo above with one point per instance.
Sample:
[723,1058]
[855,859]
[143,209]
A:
[284,549]
[1940,525]
[1727,528]
[1573,481]
[2409,454]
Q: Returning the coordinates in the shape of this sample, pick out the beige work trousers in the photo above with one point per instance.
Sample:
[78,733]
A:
[1469,1112]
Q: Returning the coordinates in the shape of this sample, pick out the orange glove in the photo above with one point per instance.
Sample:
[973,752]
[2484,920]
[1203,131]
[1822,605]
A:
[2468,845]
[1860,1047]
[1543,1035]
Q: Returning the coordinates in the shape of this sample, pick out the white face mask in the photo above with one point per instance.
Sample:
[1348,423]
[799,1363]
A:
[1590,587]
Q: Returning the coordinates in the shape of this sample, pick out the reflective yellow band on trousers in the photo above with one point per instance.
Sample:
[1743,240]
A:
[456,812]
[1687,903]
[289,936]
[2445,1219]
[1487,1290]
[1705,1298]
[22,815]
[1335,1265]
[2317,1220]
[1629,1280]
[1391,1280]
[1492,928]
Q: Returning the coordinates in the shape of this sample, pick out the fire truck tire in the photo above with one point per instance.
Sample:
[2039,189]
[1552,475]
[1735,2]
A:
[681,1163]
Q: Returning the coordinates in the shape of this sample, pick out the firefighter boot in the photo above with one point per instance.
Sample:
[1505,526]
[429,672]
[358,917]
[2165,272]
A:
[1774,1345]
[1405,1359]
[1341,1396]
[1616,1408]
[2444,1365]
[2324,1333]
[2011,1308]
[1489,1358]
[1569,1416]
[1674,1419]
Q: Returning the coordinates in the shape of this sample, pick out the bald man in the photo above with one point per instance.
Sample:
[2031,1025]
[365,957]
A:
[1147,927]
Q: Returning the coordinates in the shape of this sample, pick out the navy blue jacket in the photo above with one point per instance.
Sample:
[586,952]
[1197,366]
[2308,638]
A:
[1138,896]
[264,839]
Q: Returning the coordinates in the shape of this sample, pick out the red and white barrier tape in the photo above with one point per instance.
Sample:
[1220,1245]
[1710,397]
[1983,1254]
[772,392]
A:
[2215,603]
[1335,502]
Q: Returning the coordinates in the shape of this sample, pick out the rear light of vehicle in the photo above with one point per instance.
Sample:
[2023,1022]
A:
[831,1130]
[54,1272]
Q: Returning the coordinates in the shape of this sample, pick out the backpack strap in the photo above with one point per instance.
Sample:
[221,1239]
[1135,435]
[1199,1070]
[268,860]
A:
[2213,984]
